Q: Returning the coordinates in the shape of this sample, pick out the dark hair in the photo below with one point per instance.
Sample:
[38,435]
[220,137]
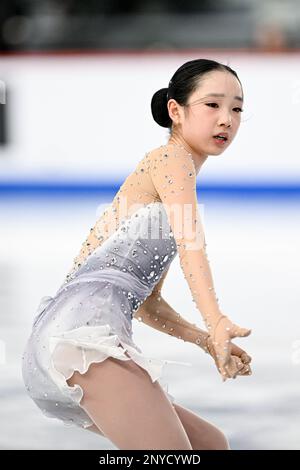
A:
[183,83]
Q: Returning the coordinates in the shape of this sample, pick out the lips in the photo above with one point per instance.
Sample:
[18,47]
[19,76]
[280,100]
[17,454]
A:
[222,136]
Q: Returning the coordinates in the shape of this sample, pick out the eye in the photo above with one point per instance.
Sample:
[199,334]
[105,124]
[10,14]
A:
[211,104]
[238,110]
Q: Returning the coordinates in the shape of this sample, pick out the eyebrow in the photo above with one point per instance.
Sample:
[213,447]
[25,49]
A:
[222,95]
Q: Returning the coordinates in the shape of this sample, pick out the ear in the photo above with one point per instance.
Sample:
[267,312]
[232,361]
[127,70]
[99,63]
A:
[174,110]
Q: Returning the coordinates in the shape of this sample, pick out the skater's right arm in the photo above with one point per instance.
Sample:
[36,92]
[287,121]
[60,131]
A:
[158,314]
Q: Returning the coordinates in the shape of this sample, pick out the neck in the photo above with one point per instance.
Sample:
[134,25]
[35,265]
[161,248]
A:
[198,158]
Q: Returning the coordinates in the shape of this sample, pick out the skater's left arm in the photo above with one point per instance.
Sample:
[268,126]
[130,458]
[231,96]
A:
[157,313]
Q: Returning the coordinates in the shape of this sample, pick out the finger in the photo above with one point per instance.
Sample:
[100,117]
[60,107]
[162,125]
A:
[237,331]
[246,370]
[246,358]
[232,370]
[236,350]
[240,353]
[235,366]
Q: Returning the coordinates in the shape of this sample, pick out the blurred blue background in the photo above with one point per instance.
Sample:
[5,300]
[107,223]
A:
[76,80]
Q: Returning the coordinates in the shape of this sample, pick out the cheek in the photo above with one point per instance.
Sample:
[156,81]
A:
[237,124]
[197,131]
[199,123]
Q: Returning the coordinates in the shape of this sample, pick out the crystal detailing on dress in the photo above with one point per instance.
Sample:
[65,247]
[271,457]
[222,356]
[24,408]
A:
[118,273]
[166,175]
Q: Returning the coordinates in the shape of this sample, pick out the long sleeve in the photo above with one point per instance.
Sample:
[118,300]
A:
[158,314]
[174,177]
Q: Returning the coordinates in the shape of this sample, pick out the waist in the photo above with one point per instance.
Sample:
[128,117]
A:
[118,278]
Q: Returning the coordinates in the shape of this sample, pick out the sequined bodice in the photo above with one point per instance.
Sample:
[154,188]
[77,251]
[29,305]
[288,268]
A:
[136,255]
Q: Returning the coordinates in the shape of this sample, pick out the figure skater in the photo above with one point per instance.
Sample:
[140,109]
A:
[81,364]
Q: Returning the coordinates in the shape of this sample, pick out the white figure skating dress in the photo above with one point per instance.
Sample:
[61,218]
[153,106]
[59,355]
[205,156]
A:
[122,260]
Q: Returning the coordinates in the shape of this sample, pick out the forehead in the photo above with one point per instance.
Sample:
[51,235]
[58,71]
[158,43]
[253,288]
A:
[219,82]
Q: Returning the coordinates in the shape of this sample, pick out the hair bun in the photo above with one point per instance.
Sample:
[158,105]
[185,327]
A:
[159,108]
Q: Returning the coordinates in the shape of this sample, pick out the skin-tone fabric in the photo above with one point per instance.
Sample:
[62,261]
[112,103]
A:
[168,175]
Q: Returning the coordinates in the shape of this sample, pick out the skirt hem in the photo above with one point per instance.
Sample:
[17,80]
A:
[77,349]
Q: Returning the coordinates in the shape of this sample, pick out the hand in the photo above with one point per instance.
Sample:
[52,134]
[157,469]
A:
[242,359]
[230,359]
[239,362]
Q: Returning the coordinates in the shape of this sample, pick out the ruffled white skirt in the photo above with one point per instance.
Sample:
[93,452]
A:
[48,362]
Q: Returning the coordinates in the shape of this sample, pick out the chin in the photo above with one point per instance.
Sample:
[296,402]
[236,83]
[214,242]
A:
[217,152]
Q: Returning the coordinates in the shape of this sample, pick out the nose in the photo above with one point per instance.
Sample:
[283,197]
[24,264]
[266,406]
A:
[225,119]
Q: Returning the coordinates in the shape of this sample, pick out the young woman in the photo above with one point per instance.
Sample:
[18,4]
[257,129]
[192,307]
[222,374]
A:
[81,364]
